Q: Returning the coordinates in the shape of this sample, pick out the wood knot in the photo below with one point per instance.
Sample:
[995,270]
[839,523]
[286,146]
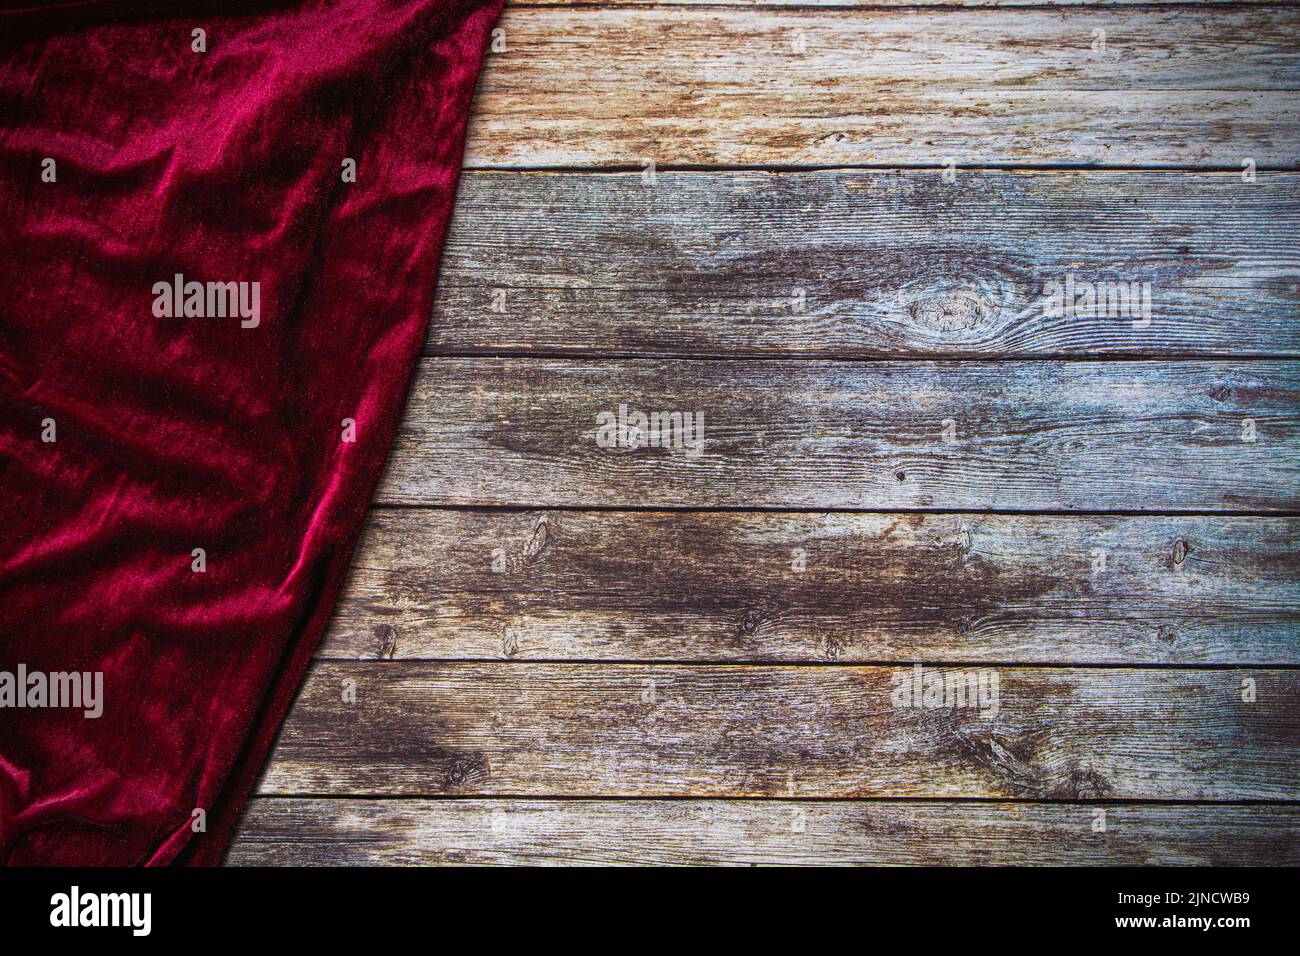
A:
[751,622]
[1084,784]
[953,310]
[386,634]
[468,769]
[1166,634]
[1180,552]
[541,537]
[1220,393]
[1011,761]
[834,646]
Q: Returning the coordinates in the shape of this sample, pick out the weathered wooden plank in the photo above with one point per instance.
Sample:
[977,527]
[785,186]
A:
[725,586]
[1018,436]
[884,3]
[680,85]
[619,730]
[852,263]
[306,832]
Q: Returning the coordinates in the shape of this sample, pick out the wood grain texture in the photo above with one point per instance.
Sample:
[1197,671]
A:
[611,86]
[814,4]
[306,832]
[621,730]
[1026,436]
[687,586]
[889,263]
[559,623]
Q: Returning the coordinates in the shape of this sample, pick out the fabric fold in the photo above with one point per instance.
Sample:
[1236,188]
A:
[219,251]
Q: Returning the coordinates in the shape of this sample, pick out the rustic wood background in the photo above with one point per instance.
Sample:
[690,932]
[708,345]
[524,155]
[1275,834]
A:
[562,653]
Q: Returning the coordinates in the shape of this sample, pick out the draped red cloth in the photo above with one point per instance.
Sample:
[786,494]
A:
[130,437]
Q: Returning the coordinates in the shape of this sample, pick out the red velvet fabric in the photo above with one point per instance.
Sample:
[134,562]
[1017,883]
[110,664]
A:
[177,433]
